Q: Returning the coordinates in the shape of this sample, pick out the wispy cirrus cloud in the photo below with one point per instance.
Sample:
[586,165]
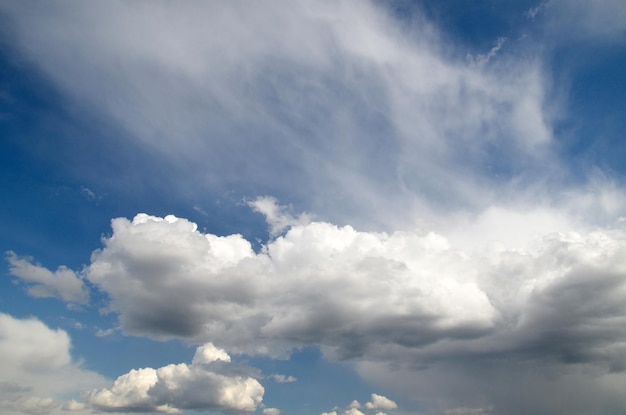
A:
[358,118]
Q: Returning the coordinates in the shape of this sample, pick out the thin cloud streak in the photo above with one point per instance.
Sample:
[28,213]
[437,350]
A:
[337,90]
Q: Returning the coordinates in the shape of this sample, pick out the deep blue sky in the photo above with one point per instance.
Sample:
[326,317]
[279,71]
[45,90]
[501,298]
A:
[422,194]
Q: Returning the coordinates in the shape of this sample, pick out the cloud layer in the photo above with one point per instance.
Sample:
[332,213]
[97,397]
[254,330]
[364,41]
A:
[304,111]
[405,295]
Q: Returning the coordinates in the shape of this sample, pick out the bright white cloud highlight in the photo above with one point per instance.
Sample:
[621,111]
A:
[314,285]
[379,402]
[408,297]
[277,216]
[405,295]
[175,387]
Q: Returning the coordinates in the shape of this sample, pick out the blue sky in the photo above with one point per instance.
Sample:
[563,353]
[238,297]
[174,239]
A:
[313,207]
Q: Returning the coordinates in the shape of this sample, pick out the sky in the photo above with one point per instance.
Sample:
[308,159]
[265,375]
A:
[313,207]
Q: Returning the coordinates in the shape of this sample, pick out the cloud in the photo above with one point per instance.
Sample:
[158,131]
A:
[276,215]
[22,345]
[62,283]
[409,298]
[380,119]
[354,404]
[317,284]
[37,369]
[336,106]
[601,20]
[203,385]
[352,411]
[283,379]
[379,402]
[271,411]
[406,295]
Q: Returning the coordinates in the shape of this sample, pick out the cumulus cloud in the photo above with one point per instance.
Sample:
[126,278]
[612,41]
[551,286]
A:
[62,283]
[354,404]
[271,411]
[408,298]
[405,295]
[317,284]
[379,402]
[202,385]
[37,369]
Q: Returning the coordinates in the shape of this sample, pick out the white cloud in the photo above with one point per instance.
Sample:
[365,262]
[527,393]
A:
[73,405]
[311,285]
[220,99]
[293,98]
[63,283]
[277,216]
[271,411]
[29,345]
[208,353]
[175,387]
[37,369]
[406,295]
[283,379]
[379,402]
[354,404]
[405,298]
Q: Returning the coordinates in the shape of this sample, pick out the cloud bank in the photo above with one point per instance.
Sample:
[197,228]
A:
[401,306]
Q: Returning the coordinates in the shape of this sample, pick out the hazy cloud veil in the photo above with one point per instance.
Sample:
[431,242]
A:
[447,251]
